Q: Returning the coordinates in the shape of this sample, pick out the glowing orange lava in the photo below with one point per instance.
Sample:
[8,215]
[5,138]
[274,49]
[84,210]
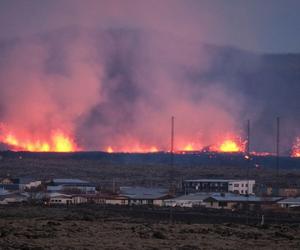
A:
[58,142]
[262,153]
[296,148]
[132,149]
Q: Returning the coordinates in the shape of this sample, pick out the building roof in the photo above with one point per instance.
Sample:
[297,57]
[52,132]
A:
[56,194]
[215,180]
[13,187]
[3,192]
[68,181]
[143,193]
[12,195]
[291,200]
[191,197]
[26,180]
[230,197]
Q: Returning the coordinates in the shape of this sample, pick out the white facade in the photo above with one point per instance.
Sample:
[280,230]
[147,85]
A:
[219,186]
[60,200]
[241,186]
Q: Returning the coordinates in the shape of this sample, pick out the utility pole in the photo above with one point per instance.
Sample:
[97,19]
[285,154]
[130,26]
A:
[277,151]
[248,166]
[172,139]
[248,138]
[248,153]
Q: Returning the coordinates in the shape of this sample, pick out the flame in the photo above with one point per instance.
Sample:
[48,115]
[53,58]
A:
[109,150]
[59,142]
[189,147]
[296,148]
[230,146]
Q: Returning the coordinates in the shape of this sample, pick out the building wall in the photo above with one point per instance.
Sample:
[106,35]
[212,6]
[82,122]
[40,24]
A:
[60,200]
[79,200]
[238,186]
[220,205]
[116,201]
[241,187]
[204,186]
[289,192]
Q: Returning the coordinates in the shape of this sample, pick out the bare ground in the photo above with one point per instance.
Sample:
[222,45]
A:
[80,228]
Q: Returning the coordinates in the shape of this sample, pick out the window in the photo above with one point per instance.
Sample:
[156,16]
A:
[236,185]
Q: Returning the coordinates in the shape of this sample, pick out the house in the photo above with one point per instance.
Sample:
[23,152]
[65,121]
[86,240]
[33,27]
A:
[235,201]
[219,185]
[190,200]
[28,183]
[116,200]
[20,184]
[11,198]
[9,180]
[79,199]
[67,199]
[71,185]
[290,202]
[145,196]
[60,199]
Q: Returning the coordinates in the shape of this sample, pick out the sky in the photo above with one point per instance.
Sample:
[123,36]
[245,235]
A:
[264,26]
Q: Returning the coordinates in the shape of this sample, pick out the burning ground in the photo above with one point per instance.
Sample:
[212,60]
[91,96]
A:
[115,90]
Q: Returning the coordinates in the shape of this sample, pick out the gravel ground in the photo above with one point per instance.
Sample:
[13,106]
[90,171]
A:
[65,228]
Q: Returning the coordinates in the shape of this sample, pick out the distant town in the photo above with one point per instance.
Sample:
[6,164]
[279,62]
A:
[231,194]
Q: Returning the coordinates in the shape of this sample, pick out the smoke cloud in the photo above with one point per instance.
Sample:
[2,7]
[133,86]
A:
[117,71]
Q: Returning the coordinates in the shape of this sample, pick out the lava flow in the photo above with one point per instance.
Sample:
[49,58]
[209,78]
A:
[132,149]
[58,142]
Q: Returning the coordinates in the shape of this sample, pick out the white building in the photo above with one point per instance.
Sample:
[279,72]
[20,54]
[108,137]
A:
[190,200]
[241,186]
[219,185]
[60,199]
